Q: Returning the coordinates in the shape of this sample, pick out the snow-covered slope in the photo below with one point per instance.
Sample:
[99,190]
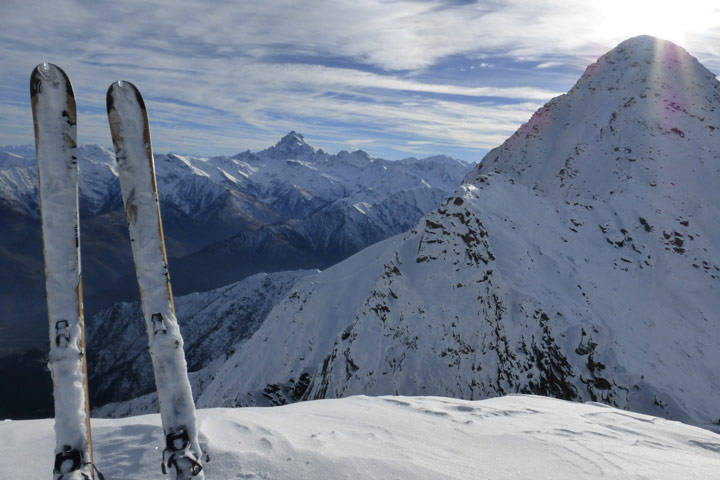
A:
[213,324]
[398,438]
[579,261]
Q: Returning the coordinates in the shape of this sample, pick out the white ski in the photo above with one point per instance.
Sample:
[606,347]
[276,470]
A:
[54,114]
[136,169]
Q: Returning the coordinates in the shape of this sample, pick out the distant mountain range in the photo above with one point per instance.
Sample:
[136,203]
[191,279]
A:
[287,207]
[579,260]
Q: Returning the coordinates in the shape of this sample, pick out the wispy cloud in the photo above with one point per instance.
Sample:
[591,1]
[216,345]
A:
[408,75]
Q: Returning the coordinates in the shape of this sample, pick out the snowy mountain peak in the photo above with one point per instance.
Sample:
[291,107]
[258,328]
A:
[292,145]
[647,49]
[629,119]
[640,62]
[96,154]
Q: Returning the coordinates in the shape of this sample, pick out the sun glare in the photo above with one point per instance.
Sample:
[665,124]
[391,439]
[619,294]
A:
[677,21]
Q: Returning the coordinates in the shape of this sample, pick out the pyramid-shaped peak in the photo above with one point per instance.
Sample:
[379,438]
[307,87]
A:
[294,142]
[292,139]
[634,116]
[291,145]
[647,46]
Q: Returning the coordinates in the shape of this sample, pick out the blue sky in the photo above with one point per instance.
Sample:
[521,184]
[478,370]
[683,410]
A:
[394,78]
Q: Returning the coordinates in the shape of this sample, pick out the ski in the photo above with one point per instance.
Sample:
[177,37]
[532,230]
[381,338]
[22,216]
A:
[133,151]
[54,115]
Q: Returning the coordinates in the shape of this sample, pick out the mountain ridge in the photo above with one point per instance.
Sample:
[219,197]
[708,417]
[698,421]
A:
[628,75]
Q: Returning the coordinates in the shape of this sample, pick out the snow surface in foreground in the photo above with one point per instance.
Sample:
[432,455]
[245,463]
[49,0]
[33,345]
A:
[395,438]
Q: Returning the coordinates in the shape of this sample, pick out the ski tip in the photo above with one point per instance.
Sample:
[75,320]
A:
[124,88]
[48,73]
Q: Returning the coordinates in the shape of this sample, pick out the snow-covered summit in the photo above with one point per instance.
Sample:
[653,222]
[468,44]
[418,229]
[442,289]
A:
[630,118]
[291,146]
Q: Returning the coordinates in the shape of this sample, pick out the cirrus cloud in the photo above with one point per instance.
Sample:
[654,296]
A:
[419,77]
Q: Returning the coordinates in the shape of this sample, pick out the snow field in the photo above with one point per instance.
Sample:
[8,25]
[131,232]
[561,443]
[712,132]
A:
[396,438]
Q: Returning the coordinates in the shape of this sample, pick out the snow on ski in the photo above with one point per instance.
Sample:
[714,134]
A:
[131,138]
[53,106]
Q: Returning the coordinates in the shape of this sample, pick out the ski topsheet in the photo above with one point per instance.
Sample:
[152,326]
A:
[54,114]
[136,169]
